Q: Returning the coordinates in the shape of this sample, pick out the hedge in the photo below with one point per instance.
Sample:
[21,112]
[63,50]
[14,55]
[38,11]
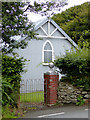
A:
[12,68]
[75,65]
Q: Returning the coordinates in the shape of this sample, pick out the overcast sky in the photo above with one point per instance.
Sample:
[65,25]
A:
[34,17]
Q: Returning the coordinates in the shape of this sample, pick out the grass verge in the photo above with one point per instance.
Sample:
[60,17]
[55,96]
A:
[9,112]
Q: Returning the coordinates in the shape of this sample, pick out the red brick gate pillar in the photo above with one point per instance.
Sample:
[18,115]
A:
[50,86]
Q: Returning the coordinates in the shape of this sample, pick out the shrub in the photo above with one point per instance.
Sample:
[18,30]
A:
[76,67]
[12,67]
[80,100]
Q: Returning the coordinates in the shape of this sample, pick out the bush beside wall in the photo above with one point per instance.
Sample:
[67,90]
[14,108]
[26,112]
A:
[76,65]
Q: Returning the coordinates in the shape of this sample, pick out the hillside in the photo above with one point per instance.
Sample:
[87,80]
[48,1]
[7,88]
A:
[75,22]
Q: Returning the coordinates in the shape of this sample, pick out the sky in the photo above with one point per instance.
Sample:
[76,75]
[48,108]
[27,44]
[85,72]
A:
[71,3]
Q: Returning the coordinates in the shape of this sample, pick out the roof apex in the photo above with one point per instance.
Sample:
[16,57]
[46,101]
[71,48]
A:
[43,21]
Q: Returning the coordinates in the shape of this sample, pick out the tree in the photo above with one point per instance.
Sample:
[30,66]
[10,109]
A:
[14,22]
[74,21]
[47,8]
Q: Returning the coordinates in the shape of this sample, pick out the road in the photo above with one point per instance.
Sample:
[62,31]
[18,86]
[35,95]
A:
[59,112]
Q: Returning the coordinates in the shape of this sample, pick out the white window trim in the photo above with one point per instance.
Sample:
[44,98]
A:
[47,50]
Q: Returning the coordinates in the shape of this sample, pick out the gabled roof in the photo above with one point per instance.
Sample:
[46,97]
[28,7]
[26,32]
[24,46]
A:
[39,23]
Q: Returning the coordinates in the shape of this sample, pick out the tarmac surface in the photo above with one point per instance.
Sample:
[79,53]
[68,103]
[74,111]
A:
[66,111]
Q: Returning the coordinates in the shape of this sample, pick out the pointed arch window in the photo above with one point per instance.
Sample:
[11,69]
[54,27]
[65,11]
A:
[48,54]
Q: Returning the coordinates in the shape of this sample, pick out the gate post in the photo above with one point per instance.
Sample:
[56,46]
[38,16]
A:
[50,86]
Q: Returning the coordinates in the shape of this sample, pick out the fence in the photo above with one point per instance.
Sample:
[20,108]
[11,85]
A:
[32,90]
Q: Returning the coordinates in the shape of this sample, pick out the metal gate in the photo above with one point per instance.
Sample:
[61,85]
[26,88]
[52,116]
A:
[32,91]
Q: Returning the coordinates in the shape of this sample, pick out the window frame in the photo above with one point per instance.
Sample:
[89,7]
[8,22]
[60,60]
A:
[43,50]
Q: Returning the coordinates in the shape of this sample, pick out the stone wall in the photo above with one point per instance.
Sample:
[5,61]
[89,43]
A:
[67,93]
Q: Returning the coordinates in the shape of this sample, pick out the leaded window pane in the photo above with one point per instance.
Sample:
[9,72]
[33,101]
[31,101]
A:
[47,46]
[47,56]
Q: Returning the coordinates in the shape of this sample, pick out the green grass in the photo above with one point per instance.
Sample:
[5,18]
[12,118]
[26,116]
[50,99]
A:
[7,113]
[34,97]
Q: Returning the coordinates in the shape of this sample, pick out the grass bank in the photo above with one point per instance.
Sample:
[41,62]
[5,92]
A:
[9,112]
